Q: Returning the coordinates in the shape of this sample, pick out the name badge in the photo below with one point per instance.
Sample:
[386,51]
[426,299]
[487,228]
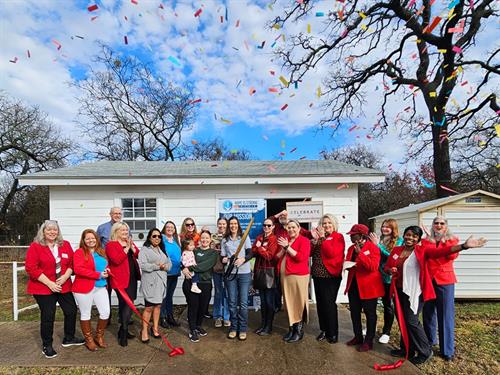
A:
[367,252]
[329,239]
[395,256]
[63,255]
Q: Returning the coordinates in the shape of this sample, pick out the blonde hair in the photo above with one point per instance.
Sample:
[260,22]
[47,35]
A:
[114,230]
[447,236]
[293,221]
[40,235]
[332,218]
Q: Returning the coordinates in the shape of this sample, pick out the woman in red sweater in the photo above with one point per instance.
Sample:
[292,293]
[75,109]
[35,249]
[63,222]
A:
[264,250]
[364,285]
[49,264]
[89,287]
[408,265]
[441,309]
[326,270]
[293,263]
[122,256]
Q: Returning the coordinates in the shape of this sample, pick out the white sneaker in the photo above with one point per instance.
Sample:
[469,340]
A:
[195,289]
[384,339]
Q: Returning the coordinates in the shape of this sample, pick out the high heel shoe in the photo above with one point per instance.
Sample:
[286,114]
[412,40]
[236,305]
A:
[151,330]
[144,341]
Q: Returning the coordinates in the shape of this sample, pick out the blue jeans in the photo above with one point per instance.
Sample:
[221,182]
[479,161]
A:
[238,301]
[167,306]
[221,308]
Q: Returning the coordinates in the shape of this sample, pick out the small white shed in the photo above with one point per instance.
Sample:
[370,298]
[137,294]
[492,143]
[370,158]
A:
[152,192]
[476,213]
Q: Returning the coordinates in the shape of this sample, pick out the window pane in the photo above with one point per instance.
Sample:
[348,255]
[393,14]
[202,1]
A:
[126,203]
[151,203]
[150,224]
[130,224]
[139,212]
[140,225]
[127,212]
[138,202]
[150,212]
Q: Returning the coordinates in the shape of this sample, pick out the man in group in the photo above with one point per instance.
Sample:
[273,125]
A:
[104,231]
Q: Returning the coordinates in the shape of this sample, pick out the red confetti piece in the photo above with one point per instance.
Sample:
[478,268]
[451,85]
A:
[284,107]
[195,101]
[433,25]
[221,19]
[252,91]
[134,2]
[94,18]
[125,39]
[273,89]
[293,150]
[302,157]
[343,186]
[464,83]
[198,12]
[194,142]
[126,19]
[161,6]
[352,128]
[457,49]
[91,8]
[58,45]
[448,189]
[237,23]
[272,72]
[282,154]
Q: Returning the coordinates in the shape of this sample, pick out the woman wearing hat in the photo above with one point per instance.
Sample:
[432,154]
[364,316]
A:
[364,286]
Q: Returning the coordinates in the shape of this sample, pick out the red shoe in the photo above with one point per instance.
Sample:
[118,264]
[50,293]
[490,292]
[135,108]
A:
[365,347]
[354,341]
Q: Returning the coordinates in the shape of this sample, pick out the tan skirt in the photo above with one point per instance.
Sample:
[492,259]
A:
[295,290]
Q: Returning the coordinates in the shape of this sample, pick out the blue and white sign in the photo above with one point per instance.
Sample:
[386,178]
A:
[244,209]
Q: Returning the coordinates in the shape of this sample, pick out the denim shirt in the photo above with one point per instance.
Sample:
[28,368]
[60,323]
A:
[104,231]
[228,248]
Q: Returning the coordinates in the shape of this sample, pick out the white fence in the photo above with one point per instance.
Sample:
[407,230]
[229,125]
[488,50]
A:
[15,303]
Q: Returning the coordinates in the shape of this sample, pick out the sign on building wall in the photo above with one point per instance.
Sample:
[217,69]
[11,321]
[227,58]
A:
[244,209]
[305,212]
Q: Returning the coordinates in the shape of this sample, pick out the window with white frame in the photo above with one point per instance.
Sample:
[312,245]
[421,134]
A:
[139,214]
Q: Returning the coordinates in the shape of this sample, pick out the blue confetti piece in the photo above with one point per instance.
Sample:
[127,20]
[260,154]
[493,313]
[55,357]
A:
[174,61]
[296,85]
[320,14]
[437,123]
[453,4]
[427,184]
[272,45]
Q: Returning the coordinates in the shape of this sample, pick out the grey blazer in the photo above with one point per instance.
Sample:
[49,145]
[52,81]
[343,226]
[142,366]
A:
[153,280]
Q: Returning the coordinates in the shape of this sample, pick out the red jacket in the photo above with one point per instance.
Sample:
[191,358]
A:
[441,269]
[266,253]
[368,276]
[299,264]
[39,259]
[85,273]
[332,253]
[118,264]
[423,254]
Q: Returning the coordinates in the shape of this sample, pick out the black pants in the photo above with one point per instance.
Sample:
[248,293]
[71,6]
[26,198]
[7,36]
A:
[47,304]
[388,311]
[267,305]
[110,290]
[417,338]
[197,302]
[124,311]
[326,289]
[369,307]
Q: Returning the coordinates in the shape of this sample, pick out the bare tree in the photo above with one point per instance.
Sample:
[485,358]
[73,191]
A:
[216,150]
[412,52]
[129,112]
[29,142]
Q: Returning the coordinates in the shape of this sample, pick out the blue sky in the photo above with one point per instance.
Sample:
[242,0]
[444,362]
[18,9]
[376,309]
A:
[218,57]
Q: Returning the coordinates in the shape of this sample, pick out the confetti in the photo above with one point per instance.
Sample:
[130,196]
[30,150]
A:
[134,2]
[284,107]
[424,182]
[448,189]
[28,53]
[252,91]
[57,44]
[293,150]
[432,26]
[497,129]
[194,142]
[125,39]
[283,143]
[174,61]
[342,186]
[309,28]
[226,121]
[272,72]
[457,49]
[262,45]
[453,4]
[302,157]
[284,81]
[13,61]
[91,8]
[271,168]
[318,92]
[194,101]
[273,89]
[320,14]
[198,12]
[410,4]
[265,138]
[237,23]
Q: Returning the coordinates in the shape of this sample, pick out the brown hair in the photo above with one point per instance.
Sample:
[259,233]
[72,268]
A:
[98,248]
[391,240]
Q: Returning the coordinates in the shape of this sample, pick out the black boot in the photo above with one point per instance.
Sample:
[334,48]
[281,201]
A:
[164,323]
[298,332]
[289,334]
[268,328]
[172,321]
[263,314]
[122,336]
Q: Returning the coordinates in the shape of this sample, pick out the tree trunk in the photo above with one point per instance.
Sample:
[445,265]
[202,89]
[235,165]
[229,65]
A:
[441,163]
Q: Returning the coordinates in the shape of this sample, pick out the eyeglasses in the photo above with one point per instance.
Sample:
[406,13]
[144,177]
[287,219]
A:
[156,236]
[189,224]
[267,225]
[439,223]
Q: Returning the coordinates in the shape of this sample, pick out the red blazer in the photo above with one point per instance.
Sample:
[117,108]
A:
[118,264]
[266,253]
[441,269]
[332,253]
[299,264]
[423,254]
[368,276]
[39,259]
[85,273]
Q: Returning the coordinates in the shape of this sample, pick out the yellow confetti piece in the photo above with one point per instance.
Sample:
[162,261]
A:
[283,143]
[283,37]
[276,26]
[432,94]
[318,92]
[309,28]
[498,165]
[442,50]
[226,121]
[363,27]
[460,69]
[454,102]
[362,15]
[497,128]
[482,143]
[284,81]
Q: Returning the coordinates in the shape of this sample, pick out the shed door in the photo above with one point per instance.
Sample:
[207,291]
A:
[477,270]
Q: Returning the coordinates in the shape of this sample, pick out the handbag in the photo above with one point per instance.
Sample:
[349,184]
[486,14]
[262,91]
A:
[264,277]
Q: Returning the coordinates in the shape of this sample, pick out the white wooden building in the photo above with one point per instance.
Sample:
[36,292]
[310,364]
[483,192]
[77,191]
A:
[153,192]
[475,213]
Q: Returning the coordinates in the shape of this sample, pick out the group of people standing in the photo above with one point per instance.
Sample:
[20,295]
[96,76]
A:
[286,256]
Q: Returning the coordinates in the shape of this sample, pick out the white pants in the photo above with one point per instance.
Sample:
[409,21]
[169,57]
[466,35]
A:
[99,296]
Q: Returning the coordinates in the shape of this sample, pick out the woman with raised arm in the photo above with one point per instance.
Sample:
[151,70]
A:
[408,264]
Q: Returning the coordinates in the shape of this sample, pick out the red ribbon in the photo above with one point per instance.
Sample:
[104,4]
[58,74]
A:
[402,328]
[173,350]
